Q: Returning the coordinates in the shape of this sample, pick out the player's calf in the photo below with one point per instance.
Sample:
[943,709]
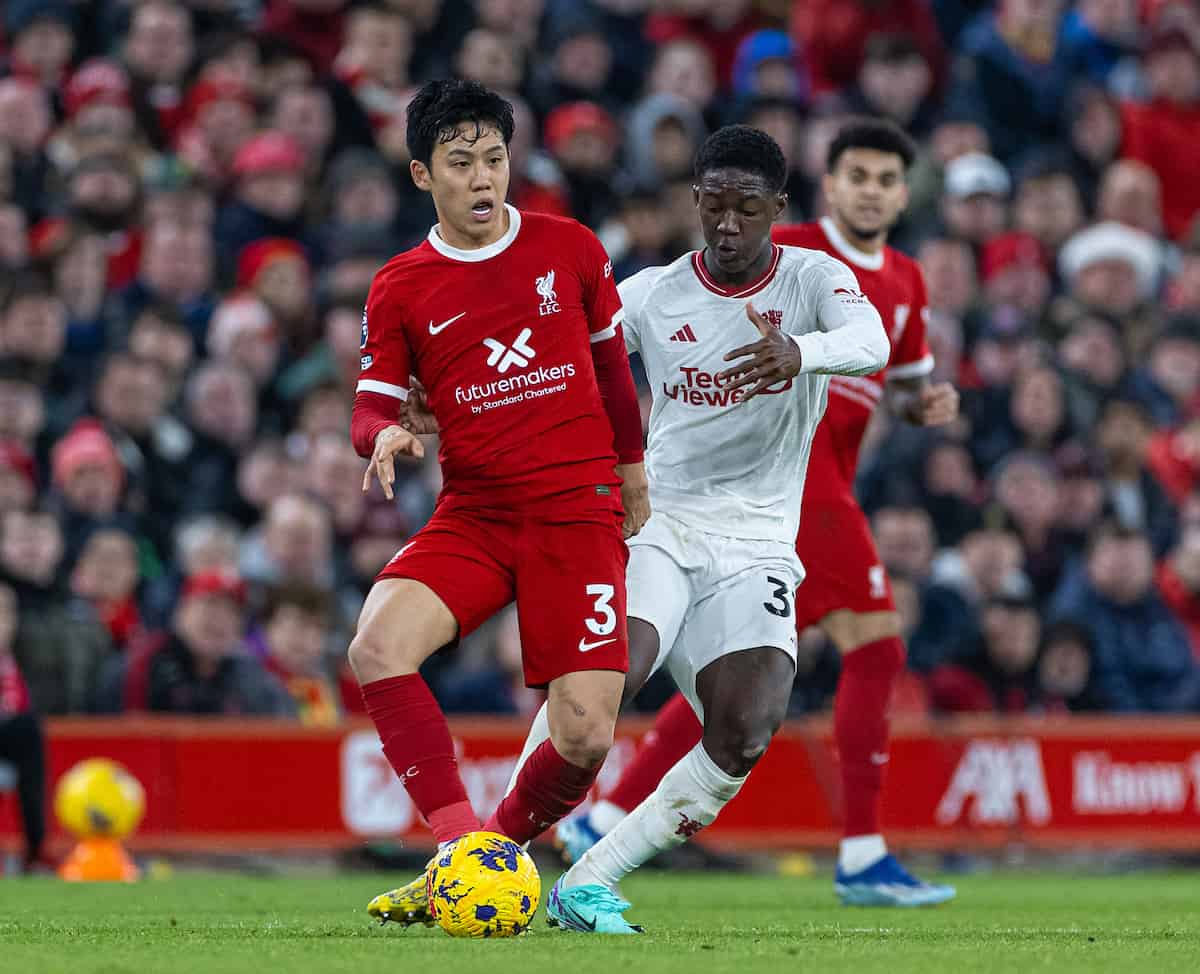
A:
[745,697]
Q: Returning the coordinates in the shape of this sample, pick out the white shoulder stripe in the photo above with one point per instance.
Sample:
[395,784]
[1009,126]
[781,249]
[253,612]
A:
[384,388]
[911,370]
[611,330]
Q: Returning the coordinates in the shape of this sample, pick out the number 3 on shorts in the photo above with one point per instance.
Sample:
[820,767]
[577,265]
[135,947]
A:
[780,595]
[607,617]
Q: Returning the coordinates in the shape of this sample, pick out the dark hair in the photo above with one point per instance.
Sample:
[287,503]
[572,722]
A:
[746,148]
[891,48]
[440,107]
[309,599]
[871,133]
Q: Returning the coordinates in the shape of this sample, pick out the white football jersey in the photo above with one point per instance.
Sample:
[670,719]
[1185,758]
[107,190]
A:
[714,462]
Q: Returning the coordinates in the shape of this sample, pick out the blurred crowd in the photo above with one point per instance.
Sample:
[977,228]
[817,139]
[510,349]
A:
[194,197]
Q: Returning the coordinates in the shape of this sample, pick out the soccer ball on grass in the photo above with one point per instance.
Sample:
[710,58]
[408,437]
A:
[483,885]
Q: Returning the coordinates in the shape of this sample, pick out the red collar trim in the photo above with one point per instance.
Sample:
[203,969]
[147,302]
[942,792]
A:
[740,290]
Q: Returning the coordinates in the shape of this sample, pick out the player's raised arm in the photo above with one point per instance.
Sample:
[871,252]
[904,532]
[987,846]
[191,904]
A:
[852,339]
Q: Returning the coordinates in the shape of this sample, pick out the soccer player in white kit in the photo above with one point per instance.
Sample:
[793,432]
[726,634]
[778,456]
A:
[713,574]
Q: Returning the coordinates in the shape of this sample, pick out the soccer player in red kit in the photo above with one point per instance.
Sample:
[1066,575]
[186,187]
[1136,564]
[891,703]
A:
[846,590]
[512,324]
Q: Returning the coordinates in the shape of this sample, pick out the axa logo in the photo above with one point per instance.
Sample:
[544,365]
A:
[998,779]
[503,357]
[545,289]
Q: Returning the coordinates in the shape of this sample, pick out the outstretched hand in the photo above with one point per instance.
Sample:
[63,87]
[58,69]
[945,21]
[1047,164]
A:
[773,358]
[391,442]
[935,405]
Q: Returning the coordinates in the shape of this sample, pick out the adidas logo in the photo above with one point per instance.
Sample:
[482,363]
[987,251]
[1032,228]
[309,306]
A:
[685,334]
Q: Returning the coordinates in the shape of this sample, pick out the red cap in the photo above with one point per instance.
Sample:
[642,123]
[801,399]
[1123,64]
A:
[16,457]
[1013,249]
[255,257]
[85,443]
[215,583]
[97,80]
[268,152]
[579,116]
[212,87]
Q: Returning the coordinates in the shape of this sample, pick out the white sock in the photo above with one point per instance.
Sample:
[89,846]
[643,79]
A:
[685,801]
[605,816]
[860,852]
[539,731]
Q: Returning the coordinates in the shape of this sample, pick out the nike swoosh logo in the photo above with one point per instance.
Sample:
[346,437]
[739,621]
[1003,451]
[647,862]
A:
[444,325]
[586,647]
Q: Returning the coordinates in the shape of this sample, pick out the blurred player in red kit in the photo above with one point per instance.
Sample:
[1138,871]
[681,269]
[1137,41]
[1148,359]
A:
[511,323]
[846,590]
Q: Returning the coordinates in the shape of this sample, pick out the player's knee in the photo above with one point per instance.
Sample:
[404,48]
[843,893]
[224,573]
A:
[374,658]
[736,744]
[584,743]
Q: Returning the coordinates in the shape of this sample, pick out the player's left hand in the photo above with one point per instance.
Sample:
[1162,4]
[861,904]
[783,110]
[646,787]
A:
[773,358]
[635,497]
[415,415]
[934,405]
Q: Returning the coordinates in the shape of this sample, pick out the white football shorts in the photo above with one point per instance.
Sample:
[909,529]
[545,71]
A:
[709,596]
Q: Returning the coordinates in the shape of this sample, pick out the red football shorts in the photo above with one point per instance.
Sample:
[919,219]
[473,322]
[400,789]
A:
[842,567]
[566,572]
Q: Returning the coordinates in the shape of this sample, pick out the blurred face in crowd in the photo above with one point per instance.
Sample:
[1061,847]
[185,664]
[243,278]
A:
[105,194]
[222,403]
[334,473]
[1185,288]
[131,394]
[370,201]
[16,492]
[261,471]
[8,617]
[785,126]
[342,333]
[1092,348]
[584,62]
[1039,405]
[1049,208]
[866,192]
[242,331]
[958,138]
[296,638]
[325,411]
[1130,193]
[206,544]
[992,557]
[1028,490]
[1121,567]
[492,59]
[896,86]
[684,68]
[1024,286]
[240,61]
[976,218]
[278,194]
[1065,667]
[1012,635]
[1174,74]
[1175,367]
[25,117]
[949,472]
[35,328]
[177,260]
[468,178]
[225,124]
[159,45]
[81,275]
[520,18]
[107,569]
[45,46]
[1096,130]
[905,539]
[379,45]
[998,359]
[819,134]
[93,488]
[22,410]
[210,625]
[298,536]
[167,345]
[1080,501]
[673,148]
[1023,16]
[305,114]
[1109,285]
[283,285]
[588,152]
[1123,433]
[949,274]
[14,236]
[31,546]
[647,224]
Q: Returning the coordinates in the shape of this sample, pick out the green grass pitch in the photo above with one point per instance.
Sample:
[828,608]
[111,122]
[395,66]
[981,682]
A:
[697,923]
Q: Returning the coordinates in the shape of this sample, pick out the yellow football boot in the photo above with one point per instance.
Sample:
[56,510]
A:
[406,905]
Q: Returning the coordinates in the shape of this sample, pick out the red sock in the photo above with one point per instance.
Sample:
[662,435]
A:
[416,740]
[548,788]
[676,731]
[860,728]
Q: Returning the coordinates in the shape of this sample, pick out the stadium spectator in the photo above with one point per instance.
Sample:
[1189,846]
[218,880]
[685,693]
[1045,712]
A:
[18,475]
[1064,669]
[107,574]
[1178,577]
[1048,204]
[896,82]
[1143,659]
[200,666]
[296,633]
[975,204]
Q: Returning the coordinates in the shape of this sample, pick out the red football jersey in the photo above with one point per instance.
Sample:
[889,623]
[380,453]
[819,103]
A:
[893,283]
[500,337]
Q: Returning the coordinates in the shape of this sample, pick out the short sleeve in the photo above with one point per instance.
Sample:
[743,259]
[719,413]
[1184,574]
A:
[911,357]
[601,302]
[634,291]
[386,361]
